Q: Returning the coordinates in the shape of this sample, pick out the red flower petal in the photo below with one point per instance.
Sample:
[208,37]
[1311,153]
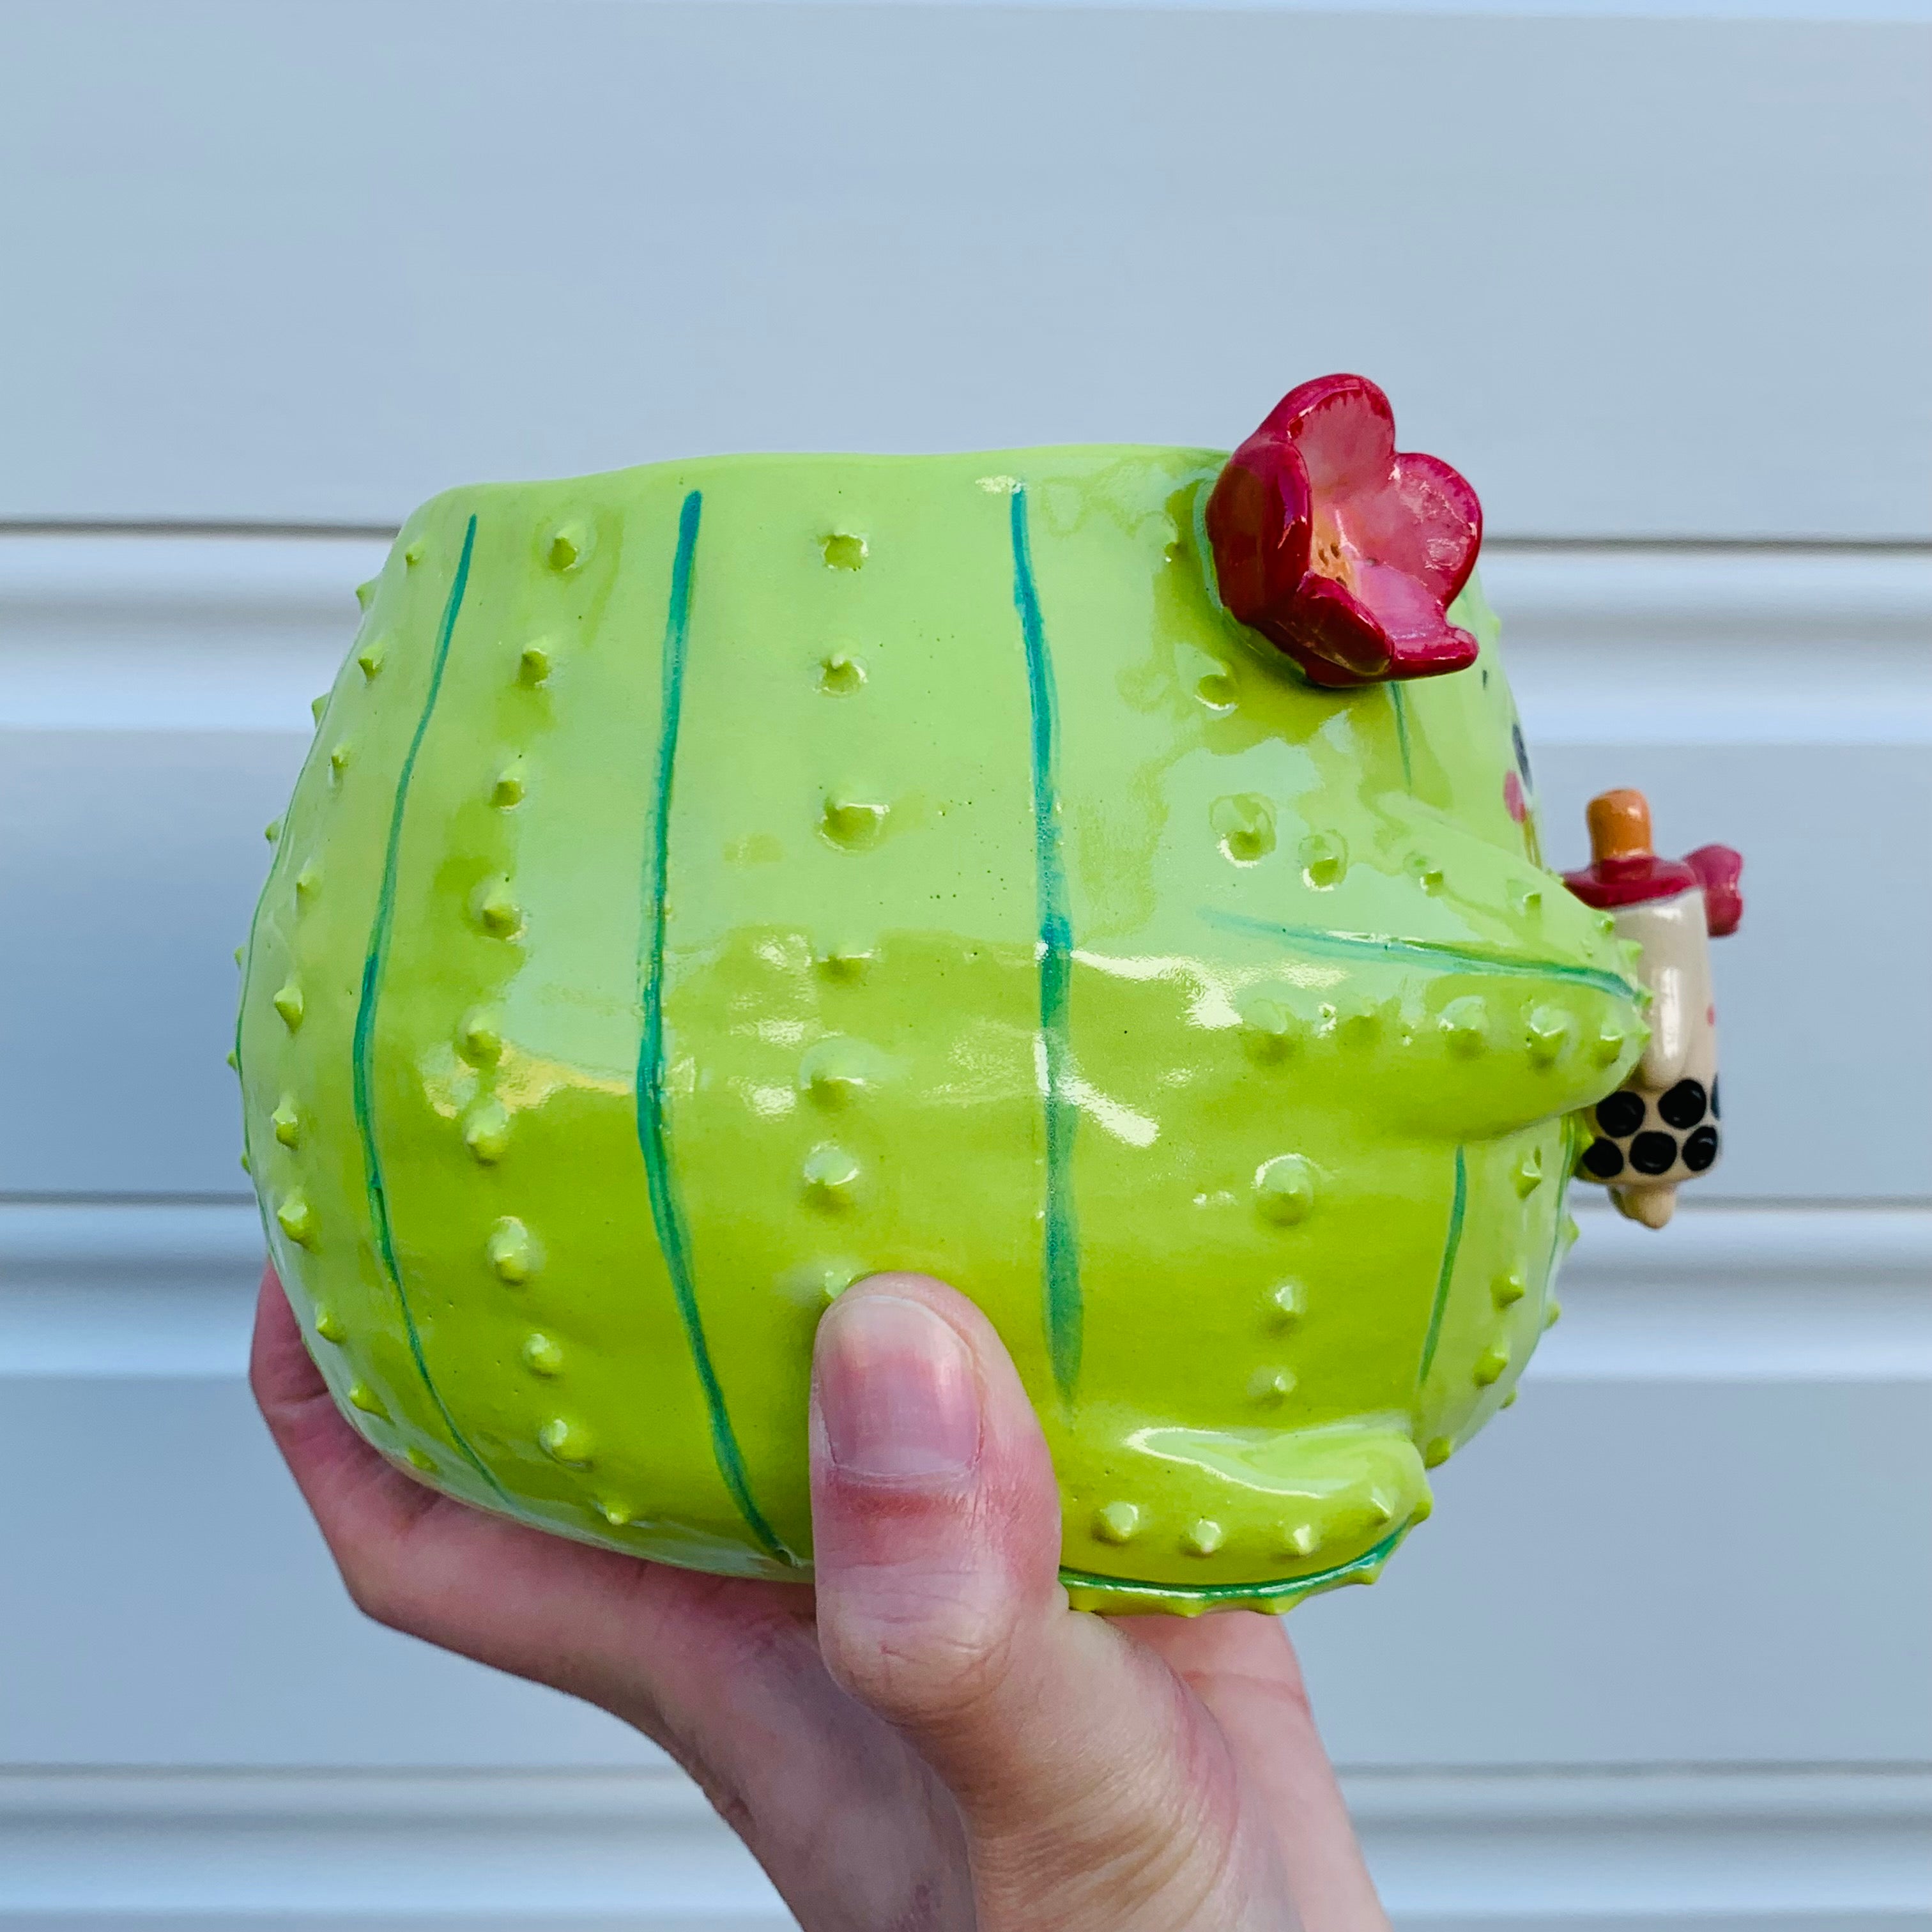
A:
[1428,524]
[1421,642]
[1405,608]
[1344,430]
[1258,526]
[1452,648]
[1334,638]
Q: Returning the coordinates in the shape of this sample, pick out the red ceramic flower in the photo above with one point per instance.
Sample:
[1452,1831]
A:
[1339,548]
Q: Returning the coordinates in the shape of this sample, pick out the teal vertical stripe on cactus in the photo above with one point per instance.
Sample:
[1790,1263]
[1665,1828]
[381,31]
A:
[362,1087]
[653,1130]
[1060,1257]
[1451,1241]
[1400,705]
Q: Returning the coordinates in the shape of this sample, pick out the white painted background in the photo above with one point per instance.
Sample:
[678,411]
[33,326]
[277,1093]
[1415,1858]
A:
[1662,287]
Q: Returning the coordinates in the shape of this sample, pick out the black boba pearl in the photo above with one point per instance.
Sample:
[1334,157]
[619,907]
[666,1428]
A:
[1683,1106]
[1717,1112]
[1603,1160]
[1620,1114]
[1653,1153]
[1701,1149]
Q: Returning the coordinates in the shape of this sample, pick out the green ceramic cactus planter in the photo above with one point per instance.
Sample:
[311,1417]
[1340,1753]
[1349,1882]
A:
[715,881]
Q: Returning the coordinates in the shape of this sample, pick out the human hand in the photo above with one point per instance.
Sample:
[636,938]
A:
[929,1738]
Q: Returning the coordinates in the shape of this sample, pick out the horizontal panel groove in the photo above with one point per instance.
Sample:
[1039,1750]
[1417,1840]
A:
[207,528]
[1633,644]
[1573,1845]
[92,1199]
[1440,1794]
[1453,1793]
[1709,1199]
[1495,542]
[1709,1241]
[1724,1294]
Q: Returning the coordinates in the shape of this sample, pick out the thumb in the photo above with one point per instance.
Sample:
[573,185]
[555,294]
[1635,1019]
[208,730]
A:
[1094,1789]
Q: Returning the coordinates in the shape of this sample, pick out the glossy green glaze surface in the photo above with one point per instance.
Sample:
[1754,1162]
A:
[715,881]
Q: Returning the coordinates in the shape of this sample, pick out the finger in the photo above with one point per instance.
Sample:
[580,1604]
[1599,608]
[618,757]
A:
[1243,1669]
[504,1593]
[1094,1789]
[341,1477]
[725,1675]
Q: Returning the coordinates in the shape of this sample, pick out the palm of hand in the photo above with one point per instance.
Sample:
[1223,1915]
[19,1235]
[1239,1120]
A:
[930,1739]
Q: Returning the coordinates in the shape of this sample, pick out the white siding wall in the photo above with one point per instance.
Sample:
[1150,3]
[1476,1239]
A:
[1662,287]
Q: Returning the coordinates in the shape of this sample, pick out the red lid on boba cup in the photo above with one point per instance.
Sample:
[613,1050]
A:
[1623,871]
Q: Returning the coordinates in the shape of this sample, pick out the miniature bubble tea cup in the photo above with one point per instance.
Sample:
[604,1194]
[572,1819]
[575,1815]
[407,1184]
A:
[1661,1126]
[1106,878]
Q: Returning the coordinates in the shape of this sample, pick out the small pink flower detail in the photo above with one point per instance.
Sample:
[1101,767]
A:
[1340,550]
[1514,803]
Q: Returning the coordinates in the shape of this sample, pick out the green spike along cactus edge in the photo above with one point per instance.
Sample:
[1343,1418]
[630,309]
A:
[713,882]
